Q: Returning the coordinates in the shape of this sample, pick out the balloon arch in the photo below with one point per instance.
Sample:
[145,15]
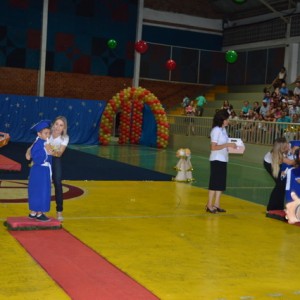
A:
[130,102]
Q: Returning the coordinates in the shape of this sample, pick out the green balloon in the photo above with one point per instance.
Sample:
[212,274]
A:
[231,56]
[239,1]
[112,44]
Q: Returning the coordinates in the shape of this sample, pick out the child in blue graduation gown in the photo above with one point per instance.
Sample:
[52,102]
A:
[39,184]
[292,190]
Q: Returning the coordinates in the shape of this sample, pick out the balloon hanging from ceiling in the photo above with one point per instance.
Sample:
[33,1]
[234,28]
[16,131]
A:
[141,46]
[170,64]
[231,56]
[112,44]
[239,1]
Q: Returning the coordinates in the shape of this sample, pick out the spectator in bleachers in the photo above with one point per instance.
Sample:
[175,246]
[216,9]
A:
[233,116]
[234,126]
[294,109]
[284,91]
[277,112]
[245,110]
[190,111]
[267,96]
[283,119]
[227,107]
[284,106]
[295,118]
[281,77]
[264,109]
[200,102]
[269,117]
[277,93]
[256,107]
[297,89]
[185,102]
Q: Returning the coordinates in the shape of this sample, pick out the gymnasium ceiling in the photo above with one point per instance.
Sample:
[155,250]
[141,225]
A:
[222,9]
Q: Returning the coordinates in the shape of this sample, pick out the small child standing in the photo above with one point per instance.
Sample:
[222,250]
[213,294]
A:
[39,183]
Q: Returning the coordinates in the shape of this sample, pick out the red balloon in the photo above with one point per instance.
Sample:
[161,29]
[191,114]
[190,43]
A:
[170,64]
[141,46]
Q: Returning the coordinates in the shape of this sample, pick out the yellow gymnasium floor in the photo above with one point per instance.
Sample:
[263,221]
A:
[159,234]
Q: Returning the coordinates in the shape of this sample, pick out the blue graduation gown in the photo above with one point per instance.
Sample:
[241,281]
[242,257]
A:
[292,183]
[39,184]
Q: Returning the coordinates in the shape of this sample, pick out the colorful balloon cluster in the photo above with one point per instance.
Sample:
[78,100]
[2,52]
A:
[131,102]
[142,47]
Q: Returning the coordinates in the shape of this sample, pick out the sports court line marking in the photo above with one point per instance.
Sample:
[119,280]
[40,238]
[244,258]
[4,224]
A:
[218,215]
[249,187]
[79,270]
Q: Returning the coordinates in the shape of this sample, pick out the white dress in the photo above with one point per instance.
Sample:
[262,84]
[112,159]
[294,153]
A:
[184,168]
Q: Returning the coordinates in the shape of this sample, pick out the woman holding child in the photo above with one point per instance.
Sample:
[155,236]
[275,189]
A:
[276,163]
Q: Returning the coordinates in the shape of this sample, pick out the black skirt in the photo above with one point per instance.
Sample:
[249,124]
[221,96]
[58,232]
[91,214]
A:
[218,175]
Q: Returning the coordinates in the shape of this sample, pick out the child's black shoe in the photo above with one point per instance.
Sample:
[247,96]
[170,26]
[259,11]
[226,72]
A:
[42,218]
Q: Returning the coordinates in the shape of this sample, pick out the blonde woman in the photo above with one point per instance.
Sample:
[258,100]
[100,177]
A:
[59,141]
[273,162]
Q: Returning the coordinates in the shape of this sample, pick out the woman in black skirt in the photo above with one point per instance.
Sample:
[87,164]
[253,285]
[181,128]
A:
[218,161]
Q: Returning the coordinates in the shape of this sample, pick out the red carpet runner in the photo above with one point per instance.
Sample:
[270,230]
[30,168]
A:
[80,271]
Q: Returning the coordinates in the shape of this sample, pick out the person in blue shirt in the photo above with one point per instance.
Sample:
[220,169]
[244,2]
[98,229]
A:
[283,119]
[284,91]
[245,109]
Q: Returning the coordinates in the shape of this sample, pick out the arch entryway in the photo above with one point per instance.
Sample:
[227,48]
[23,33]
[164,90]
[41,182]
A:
[130,102]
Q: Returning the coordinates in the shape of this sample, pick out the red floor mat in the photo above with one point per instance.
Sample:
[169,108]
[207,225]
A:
[80,271]
[24,223]
[8,164]
[278,215]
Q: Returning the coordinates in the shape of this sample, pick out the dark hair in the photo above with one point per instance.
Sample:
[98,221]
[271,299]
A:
[296,156]
[219,117]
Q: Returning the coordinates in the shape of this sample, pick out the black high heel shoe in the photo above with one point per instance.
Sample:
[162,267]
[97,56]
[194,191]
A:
[212,211]
[218,209]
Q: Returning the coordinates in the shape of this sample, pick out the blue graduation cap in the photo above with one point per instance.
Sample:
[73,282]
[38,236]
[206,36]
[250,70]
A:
[41,125]
[295,143]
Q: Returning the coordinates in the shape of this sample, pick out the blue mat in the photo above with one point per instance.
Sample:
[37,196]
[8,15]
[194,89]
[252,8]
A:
[78,165]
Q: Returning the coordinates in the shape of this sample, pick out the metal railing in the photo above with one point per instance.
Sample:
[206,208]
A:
[250,131]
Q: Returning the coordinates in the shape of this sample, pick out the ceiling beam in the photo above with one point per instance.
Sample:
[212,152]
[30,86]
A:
[275,11]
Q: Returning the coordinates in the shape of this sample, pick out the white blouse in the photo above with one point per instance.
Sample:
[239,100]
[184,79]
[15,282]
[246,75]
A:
[219,136]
